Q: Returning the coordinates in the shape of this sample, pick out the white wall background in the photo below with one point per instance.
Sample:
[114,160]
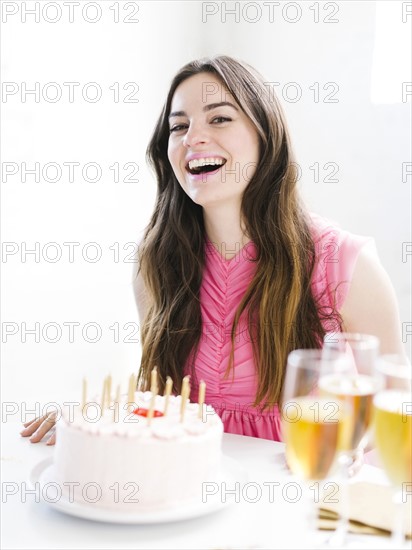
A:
[366,133]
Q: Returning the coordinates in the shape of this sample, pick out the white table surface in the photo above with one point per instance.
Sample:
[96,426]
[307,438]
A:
[244,524]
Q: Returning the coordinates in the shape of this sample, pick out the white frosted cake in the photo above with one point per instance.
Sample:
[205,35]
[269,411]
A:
[131,463]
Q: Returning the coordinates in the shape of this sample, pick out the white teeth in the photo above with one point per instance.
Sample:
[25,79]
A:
[195,163]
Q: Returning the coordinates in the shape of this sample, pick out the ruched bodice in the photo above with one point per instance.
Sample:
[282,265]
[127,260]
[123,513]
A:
[223,286]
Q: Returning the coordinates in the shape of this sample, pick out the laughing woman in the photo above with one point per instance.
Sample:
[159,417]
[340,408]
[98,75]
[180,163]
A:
[234,273]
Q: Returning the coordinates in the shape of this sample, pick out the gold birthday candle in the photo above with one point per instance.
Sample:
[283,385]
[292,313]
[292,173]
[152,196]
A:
[84,393]
[168,391]
[116,405]
[150,412]
[184,396]
[202,393]
[108,391]
[153,378]
[130,395]
[103,397]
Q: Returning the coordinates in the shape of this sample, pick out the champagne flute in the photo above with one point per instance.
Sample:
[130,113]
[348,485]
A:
[358,390]
[312,424]
[392,427]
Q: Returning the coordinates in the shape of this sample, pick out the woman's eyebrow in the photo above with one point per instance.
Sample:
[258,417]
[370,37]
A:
[208,107]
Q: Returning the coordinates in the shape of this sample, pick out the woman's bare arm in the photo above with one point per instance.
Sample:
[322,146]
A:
[371,306]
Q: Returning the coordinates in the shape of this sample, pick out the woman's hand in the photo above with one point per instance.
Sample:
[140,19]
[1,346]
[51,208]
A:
[39,427]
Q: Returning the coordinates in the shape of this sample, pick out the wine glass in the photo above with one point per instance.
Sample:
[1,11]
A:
[312,424]
[392,428]
[357,390]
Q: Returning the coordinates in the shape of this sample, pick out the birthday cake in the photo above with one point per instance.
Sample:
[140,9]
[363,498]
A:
[130,460]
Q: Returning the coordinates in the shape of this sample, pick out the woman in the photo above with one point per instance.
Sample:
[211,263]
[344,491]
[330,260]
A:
[234,273]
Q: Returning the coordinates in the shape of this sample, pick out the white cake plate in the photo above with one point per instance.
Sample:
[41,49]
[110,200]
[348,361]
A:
[231,472]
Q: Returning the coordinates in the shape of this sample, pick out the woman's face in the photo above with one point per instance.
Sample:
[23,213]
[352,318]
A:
[213,146]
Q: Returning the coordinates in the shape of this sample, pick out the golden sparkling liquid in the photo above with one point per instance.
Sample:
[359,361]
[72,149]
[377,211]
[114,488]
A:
[356,392]
[393,434]
[311,427]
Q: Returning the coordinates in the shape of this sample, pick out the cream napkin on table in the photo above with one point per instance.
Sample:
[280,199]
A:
[371,510]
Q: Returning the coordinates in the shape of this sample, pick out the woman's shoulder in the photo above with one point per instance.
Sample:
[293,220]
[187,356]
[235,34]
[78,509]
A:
[332,242]
[336,253]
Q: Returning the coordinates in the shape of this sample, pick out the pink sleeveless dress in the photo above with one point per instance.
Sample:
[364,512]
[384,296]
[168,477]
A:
[223,286]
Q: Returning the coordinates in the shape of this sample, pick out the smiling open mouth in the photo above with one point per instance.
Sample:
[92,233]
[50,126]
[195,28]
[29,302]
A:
[203,166]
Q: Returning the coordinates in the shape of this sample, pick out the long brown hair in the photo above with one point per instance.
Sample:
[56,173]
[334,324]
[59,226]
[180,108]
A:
[281,310]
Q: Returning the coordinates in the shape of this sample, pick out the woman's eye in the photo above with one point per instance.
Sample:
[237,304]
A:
[215,120]
[177,128]
[219,119]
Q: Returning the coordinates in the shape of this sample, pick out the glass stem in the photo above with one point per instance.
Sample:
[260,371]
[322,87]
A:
[311,507]
[397,535]
[342,528]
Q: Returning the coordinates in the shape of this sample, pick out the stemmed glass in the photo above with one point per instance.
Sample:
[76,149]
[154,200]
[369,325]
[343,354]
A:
[312,424]
[357,390]
[392,428]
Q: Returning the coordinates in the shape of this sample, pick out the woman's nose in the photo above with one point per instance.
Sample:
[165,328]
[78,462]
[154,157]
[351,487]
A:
[195,135]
